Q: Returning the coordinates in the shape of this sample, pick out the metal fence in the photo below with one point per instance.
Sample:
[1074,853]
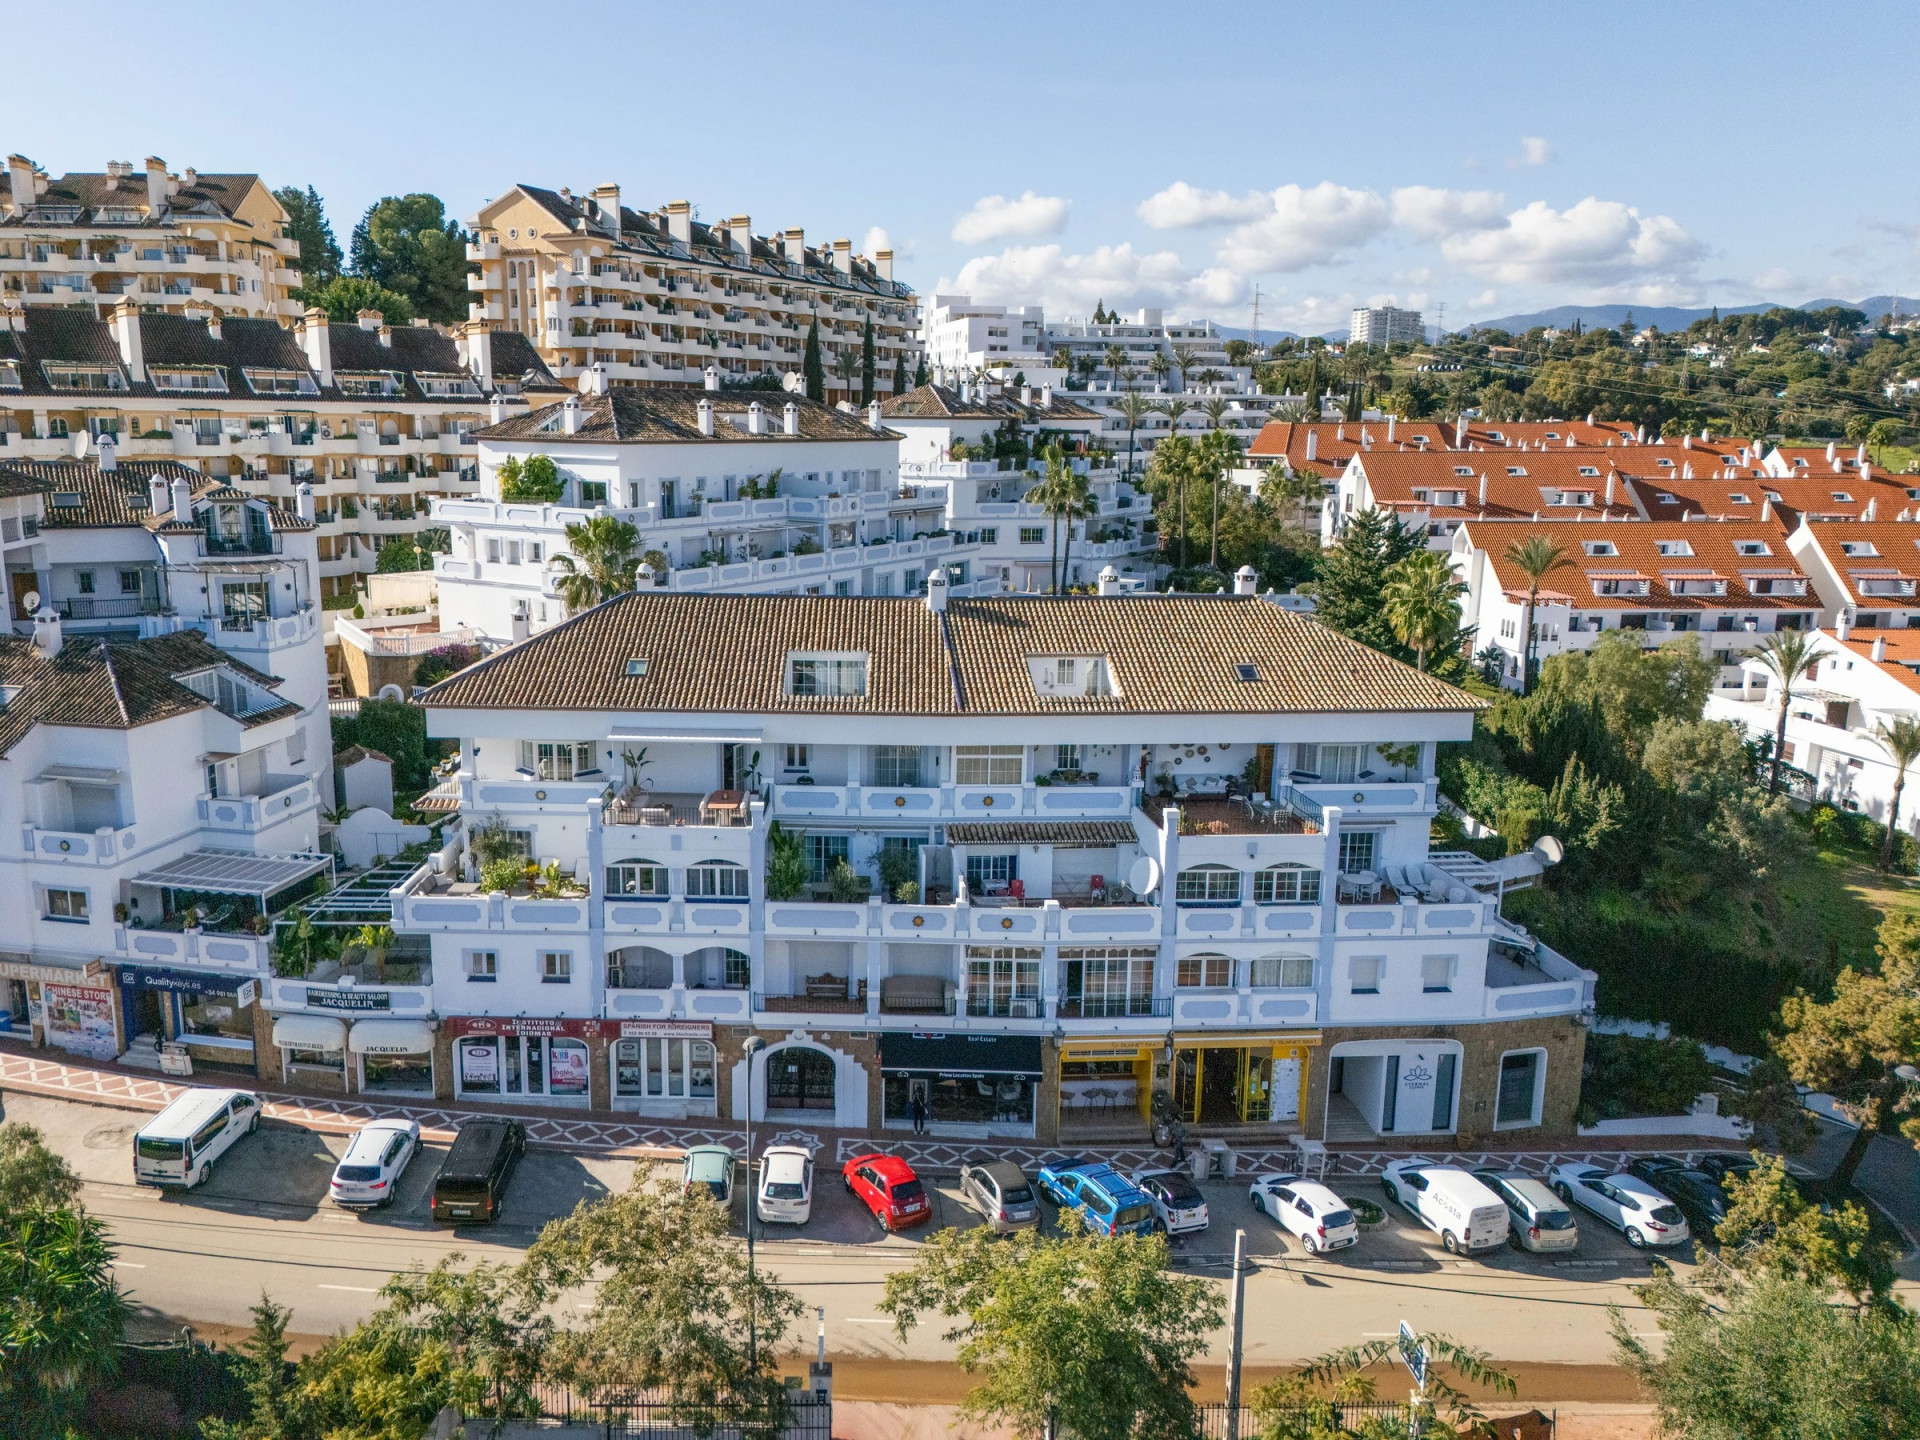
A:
[641,1415]
[1396,1415]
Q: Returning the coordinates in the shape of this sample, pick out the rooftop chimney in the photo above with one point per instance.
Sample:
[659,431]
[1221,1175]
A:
[182,499]
[1483,489]
[1026,394]
[1390,423]
[1460,432]
[706,417]
[1833,452]
[1844,628]
[303,501]
[756,418]
[1686,442]
[1879,647]
[1109,580]
[109,462]
[1611,477]
[711,375]
[478,352]
[157,494]
[213,326]
[1046,397]
[793,246]
[740,234]
[1313,443]
[126,335]
[496,410]
[843,256]
[1246,581]
[593,379]
[157,187]
[318,343]
[370,320]
[606,199]
[46,632]
[937,589]
[680,221]
[883,264]
[873,416]
[790,418]
[570,415]
[19,184]
[385,332]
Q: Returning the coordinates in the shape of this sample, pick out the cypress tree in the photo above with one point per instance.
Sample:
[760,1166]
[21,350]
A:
[920,375]
[810,367]
[900,374]
[1353,573]
[866,364]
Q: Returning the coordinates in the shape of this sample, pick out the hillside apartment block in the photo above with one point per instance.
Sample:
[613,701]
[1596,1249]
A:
[658,297]
[1153,846]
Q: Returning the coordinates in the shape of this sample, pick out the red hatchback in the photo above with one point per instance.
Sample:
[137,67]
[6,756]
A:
[887,1186]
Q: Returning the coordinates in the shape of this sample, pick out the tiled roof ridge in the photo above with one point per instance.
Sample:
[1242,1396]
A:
[113,683]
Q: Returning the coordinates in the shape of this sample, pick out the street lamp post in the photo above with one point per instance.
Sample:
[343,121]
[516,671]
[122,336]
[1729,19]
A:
[753,1046]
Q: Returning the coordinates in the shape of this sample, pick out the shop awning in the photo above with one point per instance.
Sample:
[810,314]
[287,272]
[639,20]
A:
[962,1054]
[391,1037]
[309,1032]
[1095,834]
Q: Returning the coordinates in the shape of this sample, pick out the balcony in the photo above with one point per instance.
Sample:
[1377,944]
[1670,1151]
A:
[104,846]
[959,801]
[193,950]
[250,814]
[222,546]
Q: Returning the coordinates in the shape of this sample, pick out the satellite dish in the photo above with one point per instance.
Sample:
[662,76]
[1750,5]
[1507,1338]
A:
[1549,850]
[80,445]
[30,601]
[1144,876]
[390,692]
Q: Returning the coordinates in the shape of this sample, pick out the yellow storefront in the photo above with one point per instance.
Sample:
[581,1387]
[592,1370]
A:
[1222,1078]
[1109,1080]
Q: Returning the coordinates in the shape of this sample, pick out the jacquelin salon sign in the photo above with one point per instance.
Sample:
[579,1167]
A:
[458,1025]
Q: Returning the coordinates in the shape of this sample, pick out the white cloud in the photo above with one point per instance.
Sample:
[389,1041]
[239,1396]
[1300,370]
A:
[994,217]
[1074,283]
[1305,227]
[876,241]
[1595,243]
[1434,214]
[1181,205]
[1534,150]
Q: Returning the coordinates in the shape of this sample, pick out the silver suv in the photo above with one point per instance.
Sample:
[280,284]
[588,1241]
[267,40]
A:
[1001,1192]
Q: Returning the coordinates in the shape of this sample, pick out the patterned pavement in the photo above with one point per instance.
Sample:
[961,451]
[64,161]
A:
[31,1073]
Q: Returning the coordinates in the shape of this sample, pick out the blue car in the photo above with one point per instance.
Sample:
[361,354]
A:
[1113,1204]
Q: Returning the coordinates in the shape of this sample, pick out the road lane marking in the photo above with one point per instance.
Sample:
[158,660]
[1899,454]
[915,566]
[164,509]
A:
[858,1320]
[357,1289]
[128,1265]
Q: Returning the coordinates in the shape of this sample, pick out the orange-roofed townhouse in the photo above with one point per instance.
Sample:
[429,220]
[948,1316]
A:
[1438,491]
[1865,572]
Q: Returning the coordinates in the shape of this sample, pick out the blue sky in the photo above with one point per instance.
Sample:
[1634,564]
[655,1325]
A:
[1494,157]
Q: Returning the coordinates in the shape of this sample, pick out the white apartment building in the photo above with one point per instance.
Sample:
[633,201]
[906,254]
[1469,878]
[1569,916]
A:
[1187,856]
[1385,325]
[1863,679]
[1730,583]
[738,492]
[961,336]
[377,420]
[168,755]
[965,338]
[657,297]
[170,243]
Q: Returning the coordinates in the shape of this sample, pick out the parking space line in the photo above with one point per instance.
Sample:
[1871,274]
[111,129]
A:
[357,1289]
[128,1265]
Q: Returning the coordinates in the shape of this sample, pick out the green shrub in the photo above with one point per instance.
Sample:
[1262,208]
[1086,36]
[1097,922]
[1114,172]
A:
[502,874]
[1628,1076]
[535,479]
[786,864]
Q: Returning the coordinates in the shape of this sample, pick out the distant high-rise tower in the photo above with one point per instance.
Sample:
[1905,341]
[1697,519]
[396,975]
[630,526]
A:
[1384,325]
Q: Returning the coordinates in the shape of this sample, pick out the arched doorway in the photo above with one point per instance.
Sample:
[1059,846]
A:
[799,1077]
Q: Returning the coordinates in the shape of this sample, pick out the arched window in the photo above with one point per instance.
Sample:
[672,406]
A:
[719,968]
[1282,972]
[717,880]
[1286,885]
[1207,885]
[1203,972]
[637,877]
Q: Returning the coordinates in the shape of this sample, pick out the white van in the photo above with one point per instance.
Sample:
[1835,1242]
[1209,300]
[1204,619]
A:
[179,1145]
[1468,1216]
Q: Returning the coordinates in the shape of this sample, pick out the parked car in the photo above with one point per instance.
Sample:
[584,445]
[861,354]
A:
[1722,1164]
[887,1186]
[1001,1192]
[710,1166]
[786,1184]
[1306,1209]
[369,1173]
[1537,1218]
[1112,1203]
[1646,1216]
[178,1146]
[472,1184]
[1696,1192]
[1177,1201]
[1468,1216]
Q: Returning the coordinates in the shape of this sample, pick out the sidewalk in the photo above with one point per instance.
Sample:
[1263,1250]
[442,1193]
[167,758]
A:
[106,1084]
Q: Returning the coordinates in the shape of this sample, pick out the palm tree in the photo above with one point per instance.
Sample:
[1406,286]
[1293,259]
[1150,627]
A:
[1215,409]
[1160,365]
[1901,740]
[1050,493]
[1116,357]
[1136,407]
[1786,655]
[605,559]
[1422,602]
[1077,502]
[1185,357]
[1173,410]
[1533,558]
[846,364]
[1063,359]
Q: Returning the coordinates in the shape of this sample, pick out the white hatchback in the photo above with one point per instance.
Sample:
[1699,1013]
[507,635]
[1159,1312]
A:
[786,1184]
[369,1173]
[1626,1202]
[1307,1209]
[1176,1199]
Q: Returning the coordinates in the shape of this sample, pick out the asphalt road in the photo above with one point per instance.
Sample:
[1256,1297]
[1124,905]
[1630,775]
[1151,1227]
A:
[262,1223]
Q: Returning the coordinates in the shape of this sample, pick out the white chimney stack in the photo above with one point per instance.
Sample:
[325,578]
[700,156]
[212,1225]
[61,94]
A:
[706,417]
[126,335]
[317,341]
[790,418]
[109,462]
[1483,489]
[1833,452]
[873,416]
[1390,423]
[756,418]
[496,410]
[157,494]
[680,221]
[937,589]
[182,500]
[1843,629]
[1611,477]
[1879,647]
[1246,581]
[1313,443]
[711,375]
[158,190]
[1046,397]
[1109,580]
[570,415]
[303,501]
[46,632]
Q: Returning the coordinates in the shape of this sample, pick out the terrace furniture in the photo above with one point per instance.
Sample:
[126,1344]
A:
[1361,883]
[724,807]
[930,994]
[1097,890]
[826,987]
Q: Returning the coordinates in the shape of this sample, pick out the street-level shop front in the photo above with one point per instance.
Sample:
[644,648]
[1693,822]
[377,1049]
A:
[962,1084]
[211,1014]
[547,1061]
[374,1056]
[1228,1079]
[662,1067]
[70,1007]
[1108,1081]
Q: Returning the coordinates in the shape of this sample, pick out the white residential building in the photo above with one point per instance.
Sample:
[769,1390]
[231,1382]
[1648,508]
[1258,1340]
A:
[168,242]
[1187,855]
[963,336]
[1730,583]
[966,339]
[1385,325]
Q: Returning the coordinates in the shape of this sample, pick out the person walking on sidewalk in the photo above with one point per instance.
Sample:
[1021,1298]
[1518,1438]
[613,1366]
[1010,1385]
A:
[917,1111]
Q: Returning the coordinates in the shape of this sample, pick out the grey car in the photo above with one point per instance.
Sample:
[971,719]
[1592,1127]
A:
[1002,1194]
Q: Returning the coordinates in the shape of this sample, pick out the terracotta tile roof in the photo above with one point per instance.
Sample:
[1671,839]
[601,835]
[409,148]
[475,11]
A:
[1519,485]
[1501,434]
[92,190]
[115,685]
[1895,547]
[631,415]
[1900,659]
[1042,832]
[120,497]
[1743,493]
[1336,442]
[943,402]
[728,653]
[1636,554]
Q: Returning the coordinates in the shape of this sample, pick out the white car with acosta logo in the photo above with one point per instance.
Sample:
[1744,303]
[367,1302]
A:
[369,1173]
[1306,1209]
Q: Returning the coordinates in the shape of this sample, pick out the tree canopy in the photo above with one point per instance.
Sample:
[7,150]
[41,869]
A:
[307,222]
[406,244]
[345,296]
